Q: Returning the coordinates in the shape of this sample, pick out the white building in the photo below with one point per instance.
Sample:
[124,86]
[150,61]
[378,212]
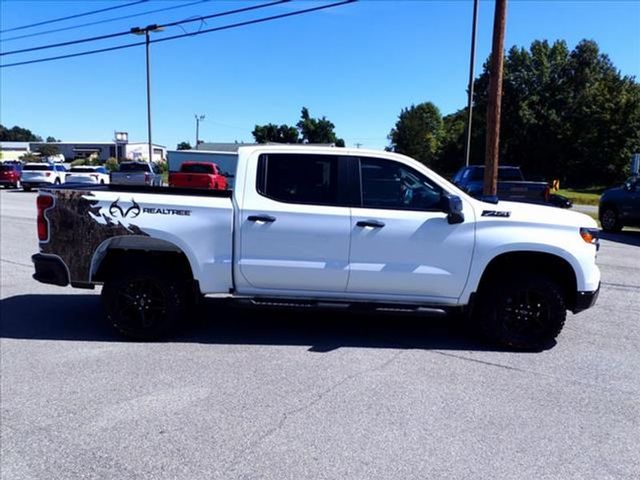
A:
[13,150]
[105,150]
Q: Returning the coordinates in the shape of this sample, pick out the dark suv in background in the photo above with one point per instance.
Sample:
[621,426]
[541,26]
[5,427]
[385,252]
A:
[620,206]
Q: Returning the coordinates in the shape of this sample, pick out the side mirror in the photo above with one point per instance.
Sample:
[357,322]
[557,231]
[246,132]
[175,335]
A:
[452,206]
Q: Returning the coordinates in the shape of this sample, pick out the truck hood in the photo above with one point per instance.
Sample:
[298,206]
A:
[532,213]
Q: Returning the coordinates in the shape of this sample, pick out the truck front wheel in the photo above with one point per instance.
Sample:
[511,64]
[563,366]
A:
[143,302]
[522,313]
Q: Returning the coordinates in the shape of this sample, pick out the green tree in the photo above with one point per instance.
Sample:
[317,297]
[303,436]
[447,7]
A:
[48,150]
[274,133]
[17,134]
[317,130]
[565,114]
[454,128]
[418,133]
[52,139]
[184,146]
[111,164]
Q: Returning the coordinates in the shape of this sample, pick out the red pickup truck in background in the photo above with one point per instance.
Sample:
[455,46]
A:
[198,175]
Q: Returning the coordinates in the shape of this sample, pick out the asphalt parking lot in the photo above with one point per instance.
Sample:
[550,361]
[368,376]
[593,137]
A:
[307,395]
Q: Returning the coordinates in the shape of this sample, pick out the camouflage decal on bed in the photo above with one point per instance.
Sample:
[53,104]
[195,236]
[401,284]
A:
[79,223]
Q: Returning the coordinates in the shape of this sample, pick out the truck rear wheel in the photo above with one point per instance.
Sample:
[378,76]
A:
[144,302]
[522,313]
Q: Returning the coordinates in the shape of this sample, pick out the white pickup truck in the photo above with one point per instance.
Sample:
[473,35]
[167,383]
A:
[327,227]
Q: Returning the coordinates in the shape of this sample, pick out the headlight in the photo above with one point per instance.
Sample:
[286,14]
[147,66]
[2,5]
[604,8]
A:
[591,235]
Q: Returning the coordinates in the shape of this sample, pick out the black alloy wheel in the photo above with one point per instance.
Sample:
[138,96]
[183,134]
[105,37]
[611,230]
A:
[143,302]
[523,313]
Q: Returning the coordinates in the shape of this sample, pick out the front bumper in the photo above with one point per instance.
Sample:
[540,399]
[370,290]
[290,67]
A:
[50,269]
[586,300]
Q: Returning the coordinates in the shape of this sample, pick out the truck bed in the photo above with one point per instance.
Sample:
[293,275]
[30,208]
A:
[85,222]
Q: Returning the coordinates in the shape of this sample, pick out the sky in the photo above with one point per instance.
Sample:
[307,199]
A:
[359,64]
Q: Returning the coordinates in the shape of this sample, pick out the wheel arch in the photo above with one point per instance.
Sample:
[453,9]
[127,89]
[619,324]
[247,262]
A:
[554,266]
[129,248]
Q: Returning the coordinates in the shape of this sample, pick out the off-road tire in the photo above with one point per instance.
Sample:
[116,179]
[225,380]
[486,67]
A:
[145,302]
[609,220]
[521,312]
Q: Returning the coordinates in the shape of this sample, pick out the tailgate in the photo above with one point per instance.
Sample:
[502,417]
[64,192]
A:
[125,178]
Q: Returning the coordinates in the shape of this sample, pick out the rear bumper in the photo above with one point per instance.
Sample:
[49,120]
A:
[585,300]
[50,269]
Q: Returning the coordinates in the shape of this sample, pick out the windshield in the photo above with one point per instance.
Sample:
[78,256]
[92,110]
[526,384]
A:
[37,167]
[134,167]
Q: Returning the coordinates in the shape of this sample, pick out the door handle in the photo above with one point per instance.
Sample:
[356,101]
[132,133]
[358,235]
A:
[261,218]
[370,223]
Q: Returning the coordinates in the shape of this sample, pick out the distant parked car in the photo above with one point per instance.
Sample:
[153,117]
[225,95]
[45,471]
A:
[137,173]
[42,174]
[620,206]
[10,173]
[198,175]
[88,174]
[511,184]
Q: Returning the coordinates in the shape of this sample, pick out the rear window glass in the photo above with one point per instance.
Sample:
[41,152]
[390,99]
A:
[509,174]
[7,168]
[297,178]
[197,168]
[37,167]
[83,170]
[134,167]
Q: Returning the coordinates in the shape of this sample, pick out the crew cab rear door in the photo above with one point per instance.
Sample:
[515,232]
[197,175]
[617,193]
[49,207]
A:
[401,241]
[294,225]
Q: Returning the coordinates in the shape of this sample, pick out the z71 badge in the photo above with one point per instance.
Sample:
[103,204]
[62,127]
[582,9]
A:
[495,213]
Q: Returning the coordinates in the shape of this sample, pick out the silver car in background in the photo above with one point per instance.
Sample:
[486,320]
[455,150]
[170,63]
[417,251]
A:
[137,173]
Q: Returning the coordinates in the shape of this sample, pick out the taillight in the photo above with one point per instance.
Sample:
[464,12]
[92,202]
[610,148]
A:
[94,176]
[44,202]
[47,174]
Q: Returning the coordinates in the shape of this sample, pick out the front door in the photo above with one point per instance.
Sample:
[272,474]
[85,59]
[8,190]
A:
[401,241]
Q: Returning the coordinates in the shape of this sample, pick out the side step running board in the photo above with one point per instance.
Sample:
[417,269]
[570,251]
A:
[383,308]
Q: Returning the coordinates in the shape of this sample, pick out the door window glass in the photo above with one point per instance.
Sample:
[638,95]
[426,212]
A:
[389,184]
[299,178]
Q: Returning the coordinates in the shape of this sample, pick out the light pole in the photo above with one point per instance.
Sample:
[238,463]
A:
[199,118]
[145,31]
[472,61]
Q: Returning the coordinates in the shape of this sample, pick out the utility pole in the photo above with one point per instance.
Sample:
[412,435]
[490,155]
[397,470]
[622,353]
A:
[199,118]
[495,100]
[472,61]
[358,145]
[145,31]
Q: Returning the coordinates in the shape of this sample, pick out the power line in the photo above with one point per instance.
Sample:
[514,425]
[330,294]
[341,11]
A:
[77,15]
[175,37]
[128,32]
[106,20]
